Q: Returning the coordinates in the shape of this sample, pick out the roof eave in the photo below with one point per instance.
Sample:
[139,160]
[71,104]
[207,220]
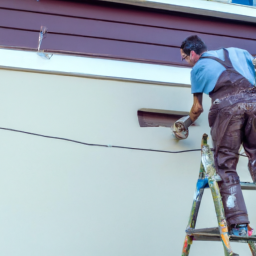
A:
[199,7]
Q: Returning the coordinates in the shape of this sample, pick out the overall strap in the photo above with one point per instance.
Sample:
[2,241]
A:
[226,63]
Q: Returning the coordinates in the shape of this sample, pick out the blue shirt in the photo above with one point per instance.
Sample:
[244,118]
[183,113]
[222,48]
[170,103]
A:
[206,72]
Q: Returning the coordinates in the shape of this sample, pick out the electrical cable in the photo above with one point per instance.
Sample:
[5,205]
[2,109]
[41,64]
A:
[104,145]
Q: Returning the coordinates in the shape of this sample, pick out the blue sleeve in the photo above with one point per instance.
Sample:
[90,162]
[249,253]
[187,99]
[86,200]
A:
[196,76]
[248,56]
[205,75]
[251,69]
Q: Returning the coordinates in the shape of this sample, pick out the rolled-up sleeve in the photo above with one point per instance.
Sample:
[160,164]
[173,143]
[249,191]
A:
[205,75]
[197,80]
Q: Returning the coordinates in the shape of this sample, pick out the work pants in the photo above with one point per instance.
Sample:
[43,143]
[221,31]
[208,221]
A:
[232,126]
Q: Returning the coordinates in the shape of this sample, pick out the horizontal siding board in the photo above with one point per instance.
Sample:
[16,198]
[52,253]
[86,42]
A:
[91,47]
[219,42]
[85,27]
[110,30]
[129,15]
[18,38]
[112,48]
[88,35]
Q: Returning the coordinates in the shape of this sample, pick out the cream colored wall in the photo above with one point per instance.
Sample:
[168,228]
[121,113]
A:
[61,198]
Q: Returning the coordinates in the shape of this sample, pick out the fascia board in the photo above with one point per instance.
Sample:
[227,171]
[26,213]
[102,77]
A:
[95,68]
[200,7]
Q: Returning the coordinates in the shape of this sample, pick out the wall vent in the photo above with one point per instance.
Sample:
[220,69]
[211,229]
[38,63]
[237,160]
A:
[158,117]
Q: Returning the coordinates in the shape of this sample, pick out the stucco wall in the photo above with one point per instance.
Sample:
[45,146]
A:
[61,198]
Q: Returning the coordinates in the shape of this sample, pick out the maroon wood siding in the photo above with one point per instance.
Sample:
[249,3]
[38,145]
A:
[115,31]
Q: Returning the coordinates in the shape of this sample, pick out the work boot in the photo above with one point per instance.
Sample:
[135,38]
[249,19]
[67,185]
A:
[239,230]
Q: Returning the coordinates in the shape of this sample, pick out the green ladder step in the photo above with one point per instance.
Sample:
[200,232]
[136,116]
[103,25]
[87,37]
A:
[244,185]
[213,234]
[248,186]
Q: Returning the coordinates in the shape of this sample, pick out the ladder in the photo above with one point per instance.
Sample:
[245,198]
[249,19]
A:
[209,178]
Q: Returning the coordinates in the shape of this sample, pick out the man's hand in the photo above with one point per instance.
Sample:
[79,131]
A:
[180,128]
[197,107]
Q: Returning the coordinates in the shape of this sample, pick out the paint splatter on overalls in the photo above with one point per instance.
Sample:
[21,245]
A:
[232,119]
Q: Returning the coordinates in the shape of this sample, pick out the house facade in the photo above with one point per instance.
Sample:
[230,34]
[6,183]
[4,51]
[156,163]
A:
[85,178]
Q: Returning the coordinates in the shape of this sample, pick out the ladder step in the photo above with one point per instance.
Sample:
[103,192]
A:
[248,186]
[213,234]
[203,231]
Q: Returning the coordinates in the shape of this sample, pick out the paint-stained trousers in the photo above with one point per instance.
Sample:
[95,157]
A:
[232,126]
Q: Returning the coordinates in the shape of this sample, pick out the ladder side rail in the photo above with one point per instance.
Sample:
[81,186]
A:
[208,163]
[195,207]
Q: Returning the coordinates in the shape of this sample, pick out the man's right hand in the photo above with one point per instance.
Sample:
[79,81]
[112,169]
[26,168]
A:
[180,128]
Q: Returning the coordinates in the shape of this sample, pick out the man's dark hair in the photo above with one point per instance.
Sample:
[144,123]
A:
[193,43]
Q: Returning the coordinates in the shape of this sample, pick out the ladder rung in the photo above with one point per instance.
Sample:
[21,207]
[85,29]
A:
[248,186]
[213,234]
[203,231]
[206,238]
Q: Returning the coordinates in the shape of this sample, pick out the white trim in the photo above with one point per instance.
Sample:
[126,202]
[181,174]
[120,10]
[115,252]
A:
[95,67]
[201,7]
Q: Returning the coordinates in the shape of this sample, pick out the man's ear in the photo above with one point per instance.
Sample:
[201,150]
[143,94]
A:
[192,54]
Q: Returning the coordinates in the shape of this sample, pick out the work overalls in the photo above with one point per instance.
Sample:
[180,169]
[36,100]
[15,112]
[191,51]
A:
[232,119]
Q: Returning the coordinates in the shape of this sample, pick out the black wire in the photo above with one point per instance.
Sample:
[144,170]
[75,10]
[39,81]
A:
[103,145]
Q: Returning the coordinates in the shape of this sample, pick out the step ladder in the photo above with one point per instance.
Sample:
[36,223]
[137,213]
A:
[209,178]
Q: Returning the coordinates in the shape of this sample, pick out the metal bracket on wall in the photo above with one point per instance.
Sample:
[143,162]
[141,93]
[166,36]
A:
[42,35]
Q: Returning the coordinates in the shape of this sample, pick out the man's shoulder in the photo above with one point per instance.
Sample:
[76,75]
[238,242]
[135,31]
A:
[236,50]
[205,64]
[239,54]
[214,53]
[220,53]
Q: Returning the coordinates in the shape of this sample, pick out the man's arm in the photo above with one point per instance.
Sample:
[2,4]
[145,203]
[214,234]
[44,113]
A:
[197,107]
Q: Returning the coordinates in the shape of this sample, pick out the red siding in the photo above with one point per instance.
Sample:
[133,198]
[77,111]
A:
[114,31]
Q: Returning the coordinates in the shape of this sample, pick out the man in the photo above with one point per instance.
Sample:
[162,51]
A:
[228,76]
